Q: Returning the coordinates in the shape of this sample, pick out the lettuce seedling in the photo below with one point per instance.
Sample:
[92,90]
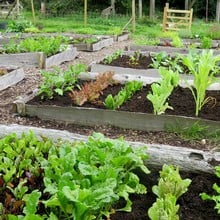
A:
[203,66]
[123,95]
[162,89]
[170,187]
[58,81]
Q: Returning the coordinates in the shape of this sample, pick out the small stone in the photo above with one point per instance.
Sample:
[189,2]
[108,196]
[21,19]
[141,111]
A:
[203,141]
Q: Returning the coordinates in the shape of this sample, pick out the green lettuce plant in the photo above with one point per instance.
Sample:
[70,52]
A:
[48,45]
[170,187]
[64,180]
[108,59]
[123,95]
[162,89]
[177,41]
[206,42]
[58,81]
[203,66]
[162,59]
[86,179]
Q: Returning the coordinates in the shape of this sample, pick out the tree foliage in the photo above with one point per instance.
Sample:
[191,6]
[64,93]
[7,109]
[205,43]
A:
[60,7]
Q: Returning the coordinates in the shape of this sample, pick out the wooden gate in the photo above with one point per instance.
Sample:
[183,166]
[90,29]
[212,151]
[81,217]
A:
[176,19]
[7,9]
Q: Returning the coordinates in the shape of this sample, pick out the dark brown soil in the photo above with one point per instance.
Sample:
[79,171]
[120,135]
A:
[145,62]
[181,100]
[192,207]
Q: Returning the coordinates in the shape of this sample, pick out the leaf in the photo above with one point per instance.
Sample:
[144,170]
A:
[59,91]
[31,202]
[87,169]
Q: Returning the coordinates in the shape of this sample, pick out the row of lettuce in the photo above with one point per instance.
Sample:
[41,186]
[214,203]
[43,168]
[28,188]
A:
[43,179]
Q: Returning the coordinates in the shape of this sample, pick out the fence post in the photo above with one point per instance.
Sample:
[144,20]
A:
[165,16]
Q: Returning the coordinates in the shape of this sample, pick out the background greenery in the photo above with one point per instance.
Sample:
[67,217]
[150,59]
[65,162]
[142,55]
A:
[60,7]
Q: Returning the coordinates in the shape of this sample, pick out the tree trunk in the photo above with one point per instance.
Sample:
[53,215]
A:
[43,8]
[140,8]
[85,13]
[207,11]
[113,6]
[218,11]
[152,9]
[191,3]
[186,4]
[133,15]
[33,12]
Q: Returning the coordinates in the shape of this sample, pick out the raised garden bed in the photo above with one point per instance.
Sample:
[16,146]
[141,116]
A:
[191,204]
[168,49]
[97,43]
[214,44]
[143,67]
[80,41]
[138,110]
[122,37]
[10,75]
[38,59]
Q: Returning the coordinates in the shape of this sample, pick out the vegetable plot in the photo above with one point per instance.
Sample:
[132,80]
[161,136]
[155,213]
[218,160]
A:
[63,180]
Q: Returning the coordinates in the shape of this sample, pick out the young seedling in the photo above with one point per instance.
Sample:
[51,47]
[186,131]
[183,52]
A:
[125,94]
[203,66]
[108,59]
[170,187]
[216,187]
[58,81]
[161,90]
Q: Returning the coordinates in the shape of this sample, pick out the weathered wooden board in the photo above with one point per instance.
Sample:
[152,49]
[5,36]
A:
[35,59]
[122,37]
[187,159]
[11,78]
[187,42]
[158,49]
[69,54]
[105,42]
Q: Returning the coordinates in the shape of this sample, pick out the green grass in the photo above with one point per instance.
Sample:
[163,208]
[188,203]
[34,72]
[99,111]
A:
[194,132]
[146,29]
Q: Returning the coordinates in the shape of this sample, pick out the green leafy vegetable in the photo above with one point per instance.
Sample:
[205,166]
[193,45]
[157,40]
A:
[216,187]
[170,187]
[58,81]
[125,94]
[203,67]
[108,59]
[161,90]
[86,180]
[48,45]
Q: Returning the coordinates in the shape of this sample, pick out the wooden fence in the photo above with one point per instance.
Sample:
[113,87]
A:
[7,9]
[176,19]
